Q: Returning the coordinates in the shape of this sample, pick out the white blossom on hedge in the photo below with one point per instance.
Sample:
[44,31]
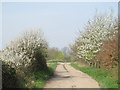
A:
[21,50]
[97,30]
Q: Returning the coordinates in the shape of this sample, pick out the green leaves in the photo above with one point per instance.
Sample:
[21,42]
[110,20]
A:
[97,30]
[25,54]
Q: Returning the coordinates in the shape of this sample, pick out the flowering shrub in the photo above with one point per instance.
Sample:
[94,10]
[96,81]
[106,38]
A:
[24,49]
[101,28]
[26,53]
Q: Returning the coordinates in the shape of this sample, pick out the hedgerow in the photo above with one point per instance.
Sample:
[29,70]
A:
[24,55]
[102,28]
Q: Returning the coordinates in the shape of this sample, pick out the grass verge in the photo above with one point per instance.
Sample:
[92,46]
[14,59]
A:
[102,76]
[38,79]
[55,61]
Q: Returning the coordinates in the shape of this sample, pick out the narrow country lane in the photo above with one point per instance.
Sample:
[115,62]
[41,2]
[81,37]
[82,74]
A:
[68,77]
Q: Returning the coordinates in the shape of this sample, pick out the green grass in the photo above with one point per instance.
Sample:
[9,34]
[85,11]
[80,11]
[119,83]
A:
[38,79]
[102,76]
[43,76]
[62,61]
[54,61]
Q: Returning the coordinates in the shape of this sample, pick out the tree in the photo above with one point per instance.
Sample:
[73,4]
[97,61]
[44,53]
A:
[55,53]
[67,53]
[60,56]
[24,55]
[89,43]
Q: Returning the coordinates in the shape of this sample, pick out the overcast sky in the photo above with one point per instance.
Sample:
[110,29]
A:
[60,22]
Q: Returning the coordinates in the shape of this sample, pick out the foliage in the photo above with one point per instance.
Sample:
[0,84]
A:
[101,75]
[40,77]
[109,53]
[24,49]
[24,55]
[101,29]
[9,76]
[66,51]
[60,56]
[54,53]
